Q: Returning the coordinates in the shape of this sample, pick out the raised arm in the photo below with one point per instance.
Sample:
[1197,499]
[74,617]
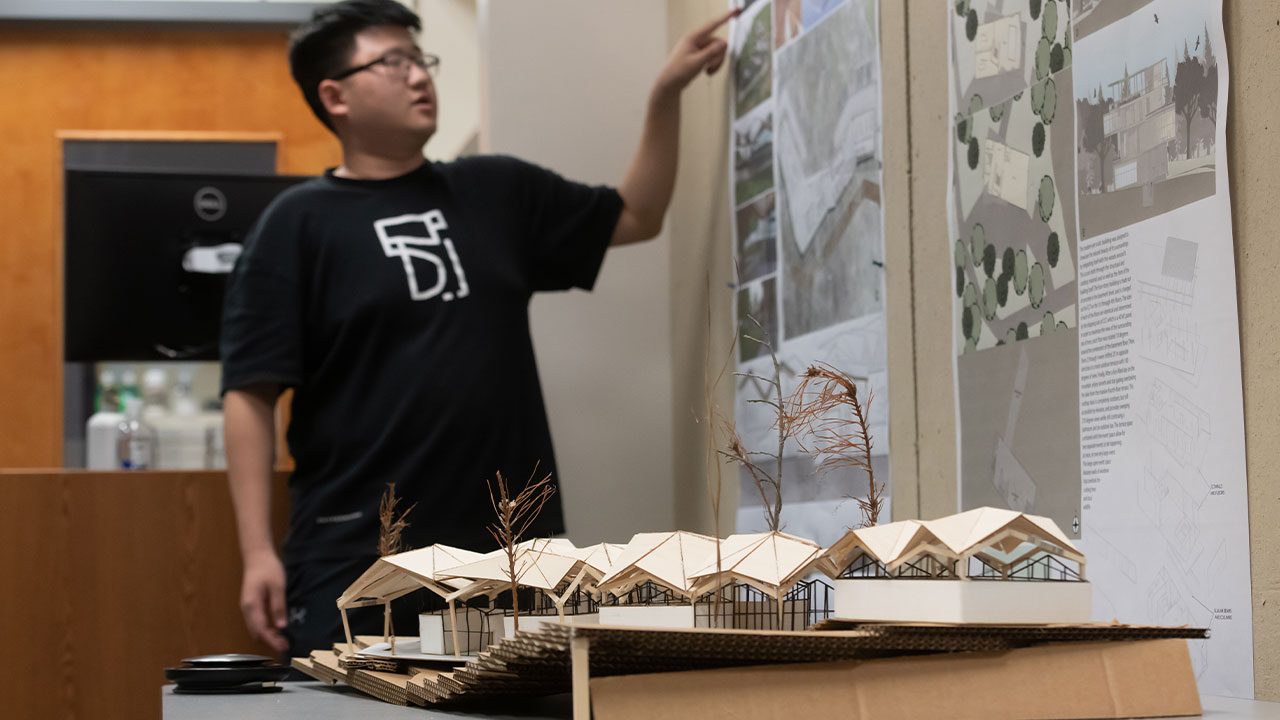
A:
[651,178]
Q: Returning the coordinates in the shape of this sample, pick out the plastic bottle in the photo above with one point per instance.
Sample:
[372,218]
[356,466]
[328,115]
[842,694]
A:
[128,388]
[107,397]
[155,393]
[137,440]
[181,432]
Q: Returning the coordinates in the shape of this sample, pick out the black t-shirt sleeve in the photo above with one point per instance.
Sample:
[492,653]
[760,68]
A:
[569,228]
[262,316]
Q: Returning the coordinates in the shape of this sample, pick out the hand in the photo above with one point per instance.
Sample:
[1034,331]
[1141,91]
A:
[696,52]
[262,599]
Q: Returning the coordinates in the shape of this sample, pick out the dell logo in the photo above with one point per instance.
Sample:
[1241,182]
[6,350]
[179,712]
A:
[210,203]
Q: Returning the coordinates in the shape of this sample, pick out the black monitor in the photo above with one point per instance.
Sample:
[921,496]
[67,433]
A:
[146,260]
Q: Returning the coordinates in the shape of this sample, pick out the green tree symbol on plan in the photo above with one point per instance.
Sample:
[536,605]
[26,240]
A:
[1043,50]
[989,299]
[1035,285]
[989,260]
[1053,249]
[962,254]
[977,242]
[1049,102]
[1035,9]
[1049,20]
[1037,139]
[1020,272]
[1048,324]
[1044,203]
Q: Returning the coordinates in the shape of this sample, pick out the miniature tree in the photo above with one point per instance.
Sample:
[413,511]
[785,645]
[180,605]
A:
[766,482]
[391,526]
[515,515]
[390,538]
[714,417]
[819,403]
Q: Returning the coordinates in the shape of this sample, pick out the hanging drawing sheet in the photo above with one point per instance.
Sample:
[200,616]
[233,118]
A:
[808,237]
[1097,351]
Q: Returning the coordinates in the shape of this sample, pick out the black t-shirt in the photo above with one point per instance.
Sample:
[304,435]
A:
[398,311]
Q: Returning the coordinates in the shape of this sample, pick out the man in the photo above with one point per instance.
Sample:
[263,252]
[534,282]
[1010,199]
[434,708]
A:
[392,295]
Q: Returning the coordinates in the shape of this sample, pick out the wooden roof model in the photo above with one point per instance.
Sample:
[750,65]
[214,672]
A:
[772,562]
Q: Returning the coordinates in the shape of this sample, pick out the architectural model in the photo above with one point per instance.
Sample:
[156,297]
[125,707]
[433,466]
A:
[986,565]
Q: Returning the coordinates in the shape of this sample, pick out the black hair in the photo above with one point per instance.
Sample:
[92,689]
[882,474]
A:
[322,47]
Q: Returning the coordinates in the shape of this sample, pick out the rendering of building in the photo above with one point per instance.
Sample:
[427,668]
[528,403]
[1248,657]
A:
[1140,126]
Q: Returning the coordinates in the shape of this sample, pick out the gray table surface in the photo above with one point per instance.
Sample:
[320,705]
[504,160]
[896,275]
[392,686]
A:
[317,701]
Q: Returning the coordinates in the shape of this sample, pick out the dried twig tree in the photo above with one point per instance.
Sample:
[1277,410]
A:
[768,483]
[714,418]
[391,526]
[390,538]
[515,515]
[826,403]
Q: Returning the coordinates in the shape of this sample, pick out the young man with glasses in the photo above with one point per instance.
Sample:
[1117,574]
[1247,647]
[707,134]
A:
[392,295]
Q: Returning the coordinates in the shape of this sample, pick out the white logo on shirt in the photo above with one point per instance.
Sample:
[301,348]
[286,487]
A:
[396,242]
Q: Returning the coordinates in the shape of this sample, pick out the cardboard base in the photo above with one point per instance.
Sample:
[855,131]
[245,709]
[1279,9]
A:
[1145,678]
[959,601]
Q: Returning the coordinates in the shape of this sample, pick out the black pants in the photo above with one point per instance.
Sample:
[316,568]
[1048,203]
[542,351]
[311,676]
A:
[312,589]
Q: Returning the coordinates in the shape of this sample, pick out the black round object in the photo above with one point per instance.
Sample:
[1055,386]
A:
[228,660]
[227,674]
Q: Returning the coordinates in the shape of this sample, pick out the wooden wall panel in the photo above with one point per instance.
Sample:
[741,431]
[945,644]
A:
[111,577]
[59,79]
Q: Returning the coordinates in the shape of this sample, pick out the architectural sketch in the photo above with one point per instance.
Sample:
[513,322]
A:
[1146,103]
[757,235]
[1000,48]
[825,300]
[786,21]
[1168,332]
[753,153]
[828,139]
[751,57]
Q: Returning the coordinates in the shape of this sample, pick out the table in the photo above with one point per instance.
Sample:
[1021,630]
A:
[318,701]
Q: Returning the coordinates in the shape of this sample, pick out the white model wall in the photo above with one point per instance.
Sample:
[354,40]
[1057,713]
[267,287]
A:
[564,83]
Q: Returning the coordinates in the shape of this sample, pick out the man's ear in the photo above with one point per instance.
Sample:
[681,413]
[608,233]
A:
[333,98]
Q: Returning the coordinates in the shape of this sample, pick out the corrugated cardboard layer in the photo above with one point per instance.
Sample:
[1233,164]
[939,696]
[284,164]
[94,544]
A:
[1144,678]
[538,662]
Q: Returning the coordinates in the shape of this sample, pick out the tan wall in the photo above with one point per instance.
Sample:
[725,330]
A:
[922,405]
[565,87]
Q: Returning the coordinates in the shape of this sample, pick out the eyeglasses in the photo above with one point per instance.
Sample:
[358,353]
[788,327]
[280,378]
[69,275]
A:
[398,63]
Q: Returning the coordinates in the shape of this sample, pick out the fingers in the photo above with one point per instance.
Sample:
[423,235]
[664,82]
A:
[276,599]
[713,25]
[264,612]
[715,59]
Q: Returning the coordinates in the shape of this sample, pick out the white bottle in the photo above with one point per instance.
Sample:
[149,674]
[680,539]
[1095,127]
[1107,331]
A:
[155,394]
[180,432]
[101,439]
[137,440]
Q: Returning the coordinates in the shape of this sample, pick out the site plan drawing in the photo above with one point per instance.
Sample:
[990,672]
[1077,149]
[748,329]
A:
[1092,255]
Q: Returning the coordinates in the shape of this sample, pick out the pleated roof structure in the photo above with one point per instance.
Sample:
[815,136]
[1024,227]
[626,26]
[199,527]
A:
[772,562]
[666,558]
